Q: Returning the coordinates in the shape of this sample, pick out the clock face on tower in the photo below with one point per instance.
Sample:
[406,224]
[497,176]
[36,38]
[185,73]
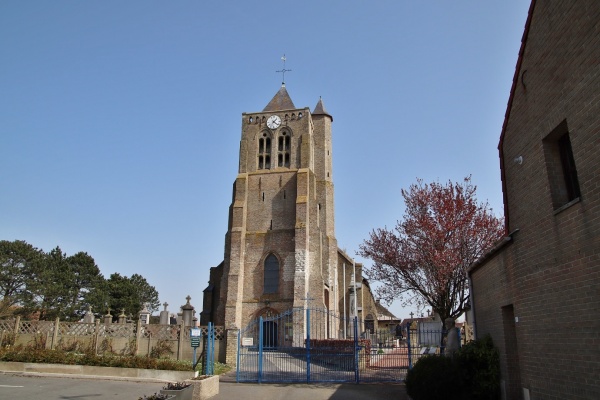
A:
[273,122]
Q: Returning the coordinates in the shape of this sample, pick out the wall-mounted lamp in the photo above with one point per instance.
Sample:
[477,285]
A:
[518,160]
[524,79]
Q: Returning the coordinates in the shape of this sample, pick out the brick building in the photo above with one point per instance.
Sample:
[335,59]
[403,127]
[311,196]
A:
[281,250]
[538,290]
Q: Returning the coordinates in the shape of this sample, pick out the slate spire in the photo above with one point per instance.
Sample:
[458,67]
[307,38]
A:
[320,109]
[281,101]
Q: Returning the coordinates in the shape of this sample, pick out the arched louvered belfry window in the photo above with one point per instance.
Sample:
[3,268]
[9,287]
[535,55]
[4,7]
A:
[264,152]
[283,149]
[271,275]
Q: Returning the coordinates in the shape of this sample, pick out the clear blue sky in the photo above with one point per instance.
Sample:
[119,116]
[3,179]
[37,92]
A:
[120,121]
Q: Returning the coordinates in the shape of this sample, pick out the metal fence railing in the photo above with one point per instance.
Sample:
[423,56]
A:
[304,345]
[425,340]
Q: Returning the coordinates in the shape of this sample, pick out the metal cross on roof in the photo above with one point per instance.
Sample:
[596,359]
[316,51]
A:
[283,71]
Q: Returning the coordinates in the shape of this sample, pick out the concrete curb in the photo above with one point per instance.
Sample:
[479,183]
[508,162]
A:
[89,372]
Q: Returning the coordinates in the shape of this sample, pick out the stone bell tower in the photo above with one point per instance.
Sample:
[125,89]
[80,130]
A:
[280,246]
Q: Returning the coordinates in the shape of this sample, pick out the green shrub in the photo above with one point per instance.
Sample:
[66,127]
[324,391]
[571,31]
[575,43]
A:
[69,345]
[473,373]
[29,354]
[479,363]
[161,349]
[432,378]
[221,368]
[8,339]
[38,341]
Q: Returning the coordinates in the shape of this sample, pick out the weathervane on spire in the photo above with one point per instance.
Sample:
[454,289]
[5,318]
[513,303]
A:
[283,71]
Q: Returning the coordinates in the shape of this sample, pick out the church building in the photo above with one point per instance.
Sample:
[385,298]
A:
[281,250]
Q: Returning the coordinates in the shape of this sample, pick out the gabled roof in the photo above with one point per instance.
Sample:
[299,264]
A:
[509,108]
[408,321]
[281,101]
[383,312]
[320,109]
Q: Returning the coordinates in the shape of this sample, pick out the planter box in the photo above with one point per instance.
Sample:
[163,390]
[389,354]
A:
[182,394]
[204,388]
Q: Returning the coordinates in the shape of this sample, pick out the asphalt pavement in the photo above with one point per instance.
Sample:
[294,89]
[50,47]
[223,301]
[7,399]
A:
[319,391]
[45,387]
[229,389]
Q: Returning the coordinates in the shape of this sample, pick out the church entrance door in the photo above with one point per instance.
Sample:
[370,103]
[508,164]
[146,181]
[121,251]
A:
[269,334]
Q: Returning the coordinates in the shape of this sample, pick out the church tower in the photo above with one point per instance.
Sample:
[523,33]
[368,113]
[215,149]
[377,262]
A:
[281,254]
[280,246]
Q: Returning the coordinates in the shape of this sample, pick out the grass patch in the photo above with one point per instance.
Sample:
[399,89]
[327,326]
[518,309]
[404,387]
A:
[221,368]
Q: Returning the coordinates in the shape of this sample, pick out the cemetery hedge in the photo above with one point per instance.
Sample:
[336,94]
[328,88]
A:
[473,373]
[32,355]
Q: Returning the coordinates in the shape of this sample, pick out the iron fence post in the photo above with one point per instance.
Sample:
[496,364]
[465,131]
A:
[260,348]
[356,350]
[237,373]
[308,345]
[408,347]
[210,349]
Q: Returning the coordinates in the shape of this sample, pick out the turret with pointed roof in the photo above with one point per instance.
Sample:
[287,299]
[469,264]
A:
[320,109]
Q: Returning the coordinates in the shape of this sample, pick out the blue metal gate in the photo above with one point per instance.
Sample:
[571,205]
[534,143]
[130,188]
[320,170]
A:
[314,345]
[204,364]
[209,369]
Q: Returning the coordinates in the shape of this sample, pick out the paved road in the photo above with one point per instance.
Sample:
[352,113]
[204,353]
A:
[36,387]
[229,391]
[31,387]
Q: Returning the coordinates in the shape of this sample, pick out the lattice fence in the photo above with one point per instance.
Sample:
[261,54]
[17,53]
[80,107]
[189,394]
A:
[119,330]
[220,333]
[76,329]
[118,337]
[160,332]
[36,327]
[7,325]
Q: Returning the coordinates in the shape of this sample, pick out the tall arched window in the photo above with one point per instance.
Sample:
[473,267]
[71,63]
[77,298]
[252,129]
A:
[264,152]
[271,274]
[283,150]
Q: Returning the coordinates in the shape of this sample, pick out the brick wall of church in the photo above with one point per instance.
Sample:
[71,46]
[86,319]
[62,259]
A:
[272,199]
